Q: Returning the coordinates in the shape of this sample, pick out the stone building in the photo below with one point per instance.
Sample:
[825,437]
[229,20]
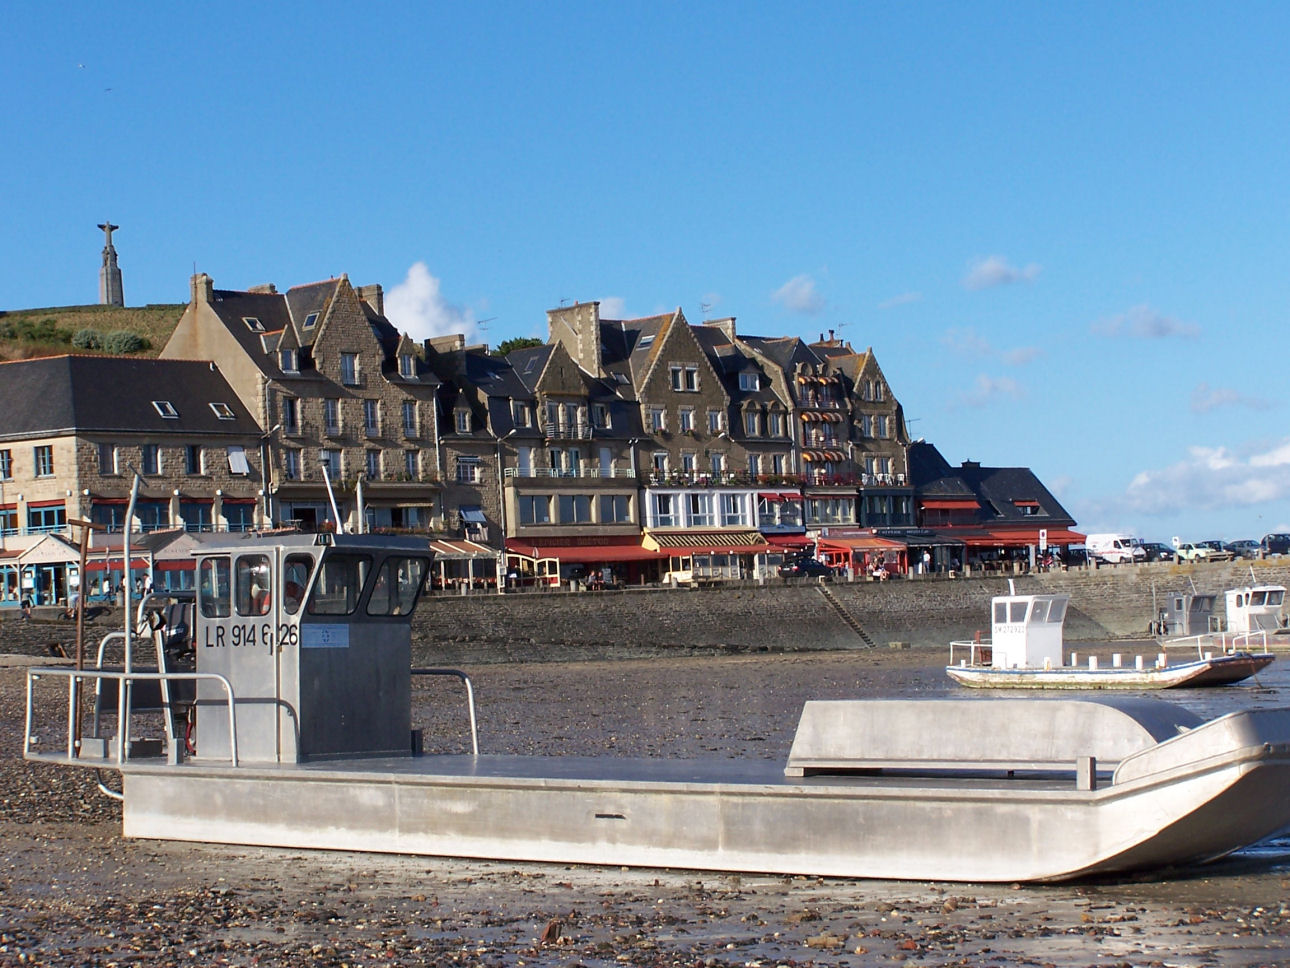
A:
[343,395]
[77,429]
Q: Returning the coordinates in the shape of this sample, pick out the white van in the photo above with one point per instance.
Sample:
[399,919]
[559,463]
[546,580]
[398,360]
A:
[1115,548]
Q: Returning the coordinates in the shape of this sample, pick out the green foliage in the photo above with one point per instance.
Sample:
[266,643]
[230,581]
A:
[87,339]
[28,328]
[517,343]
[122,341]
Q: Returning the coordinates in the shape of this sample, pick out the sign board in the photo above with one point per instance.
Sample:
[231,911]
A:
[1043,539]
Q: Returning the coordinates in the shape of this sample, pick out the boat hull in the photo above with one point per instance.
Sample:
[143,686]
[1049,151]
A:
[1218,671]
[734,817]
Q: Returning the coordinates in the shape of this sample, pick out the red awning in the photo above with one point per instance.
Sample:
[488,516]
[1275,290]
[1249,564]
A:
[47,504]
[768,496]
[784,541]
[949,504]
[114,564]
[239,500]
[790,497]
[861,543]
[1020,537]
[177,565]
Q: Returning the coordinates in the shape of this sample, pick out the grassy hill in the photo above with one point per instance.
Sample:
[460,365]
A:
[28,333]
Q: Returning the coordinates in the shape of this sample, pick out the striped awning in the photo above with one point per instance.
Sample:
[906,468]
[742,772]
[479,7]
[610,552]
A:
[461,550]
[724,539]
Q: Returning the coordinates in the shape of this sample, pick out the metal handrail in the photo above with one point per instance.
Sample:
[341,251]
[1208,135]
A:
[75,677]
[470,698]
[972,645]
[1226,640]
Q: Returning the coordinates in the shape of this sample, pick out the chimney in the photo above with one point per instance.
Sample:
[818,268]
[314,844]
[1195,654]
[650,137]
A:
[266,288]
[203,288]
[726,325]
[374,296]
[577,327]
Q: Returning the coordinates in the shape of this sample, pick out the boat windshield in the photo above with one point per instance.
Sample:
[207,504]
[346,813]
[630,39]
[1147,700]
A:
[341,578]
[1276,596]
[398,583]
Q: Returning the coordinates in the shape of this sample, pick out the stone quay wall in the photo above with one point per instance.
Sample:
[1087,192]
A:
[1110,603]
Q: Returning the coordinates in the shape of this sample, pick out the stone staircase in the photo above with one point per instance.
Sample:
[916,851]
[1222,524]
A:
[845,615]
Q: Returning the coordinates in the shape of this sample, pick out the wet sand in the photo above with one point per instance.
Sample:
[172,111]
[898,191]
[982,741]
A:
[73,892]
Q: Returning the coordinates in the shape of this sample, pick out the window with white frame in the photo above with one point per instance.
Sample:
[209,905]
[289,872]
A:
[866,425]
[44,460]
[329,458]
[754,464]
[166,409]
[657,420]
[373,465]
[409,418]
[237,463]
[289,360]
[468,470]
[223,411]
[717,462]
[600,416]
[412,464]
[555,461]
[311,320]
[775,424]
[715,423]
[685,420]
[349,369]
[751,423]
[193,460]
[749,382]
[733,510]
[149,457]
[665,510]
[700,510]
[573,461]
[6,464]
[331,416]
[520,413]
[291,463]
[462,416]
[689,461]
[659,461]
[408,366]
[371,418]
[685,379]
[880,426]
[777,463]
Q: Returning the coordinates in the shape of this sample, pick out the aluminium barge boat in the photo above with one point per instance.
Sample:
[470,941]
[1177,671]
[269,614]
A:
[299,734]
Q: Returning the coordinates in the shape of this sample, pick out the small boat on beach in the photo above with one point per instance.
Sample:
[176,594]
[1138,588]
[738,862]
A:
[1026,650]
[298,732]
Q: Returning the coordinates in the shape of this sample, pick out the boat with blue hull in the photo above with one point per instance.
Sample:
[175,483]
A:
[296,731]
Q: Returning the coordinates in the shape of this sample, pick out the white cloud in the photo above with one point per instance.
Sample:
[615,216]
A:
[798,295]
[1212,478]
[987,389]
[966,342]
[1143,322]
[995,270]
[615,307]
[904,299]
[1205,398]
[417,307]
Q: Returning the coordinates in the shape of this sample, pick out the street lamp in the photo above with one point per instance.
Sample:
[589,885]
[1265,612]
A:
[264,474]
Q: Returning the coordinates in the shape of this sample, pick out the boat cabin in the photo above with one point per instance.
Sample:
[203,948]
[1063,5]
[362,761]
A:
[1186,614]
[1256,608]
[1026,631]
[313,633]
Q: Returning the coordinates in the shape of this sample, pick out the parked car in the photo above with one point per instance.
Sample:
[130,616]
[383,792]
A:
[1244,548]
[805,568]
[1114,549]
[1203,551]
[1275,544]
[1155,551]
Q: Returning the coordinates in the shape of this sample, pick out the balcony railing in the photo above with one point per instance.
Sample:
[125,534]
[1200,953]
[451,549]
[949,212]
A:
[566,431]
[590,471]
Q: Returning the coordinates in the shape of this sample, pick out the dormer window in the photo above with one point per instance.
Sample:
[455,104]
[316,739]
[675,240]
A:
[463,421]
[349,369]
[166,409]
[222,410]
[289,361]
[645,341]
[253,324]
[311,320]
[407,366]
[749,382]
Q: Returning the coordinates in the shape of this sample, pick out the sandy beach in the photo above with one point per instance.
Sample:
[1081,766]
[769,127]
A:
[74,893]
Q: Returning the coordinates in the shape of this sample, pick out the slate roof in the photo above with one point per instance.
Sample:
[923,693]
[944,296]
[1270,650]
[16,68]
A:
[114,394]
[995,488]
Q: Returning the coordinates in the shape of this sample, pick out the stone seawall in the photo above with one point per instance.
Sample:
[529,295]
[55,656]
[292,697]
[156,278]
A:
[1107,603]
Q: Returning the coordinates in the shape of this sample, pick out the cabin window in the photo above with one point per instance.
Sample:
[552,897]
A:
[1276,597]
[253,596]
[1000,613]
[1017,612]
[213,588]
[339,585]
[397,585]
[1039,610]
[295,579]
[1057,612]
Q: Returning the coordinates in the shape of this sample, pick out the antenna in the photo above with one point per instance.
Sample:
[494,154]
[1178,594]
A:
[482,324]
[705,308]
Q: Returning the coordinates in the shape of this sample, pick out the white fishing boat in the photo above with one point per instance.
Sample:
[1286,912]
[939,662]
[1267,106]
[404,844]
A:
[300,735]
[1026,650]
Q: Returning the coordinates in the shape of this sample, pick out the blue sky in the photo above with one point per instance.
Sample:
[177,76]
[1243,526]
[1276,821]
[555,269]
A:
[1061,227]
